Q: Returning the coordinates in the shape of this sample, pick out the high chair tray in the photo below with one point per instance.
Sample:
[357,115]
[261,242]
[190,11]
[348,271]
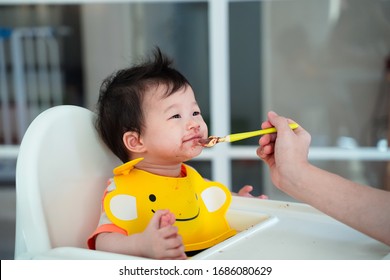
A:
[271,229]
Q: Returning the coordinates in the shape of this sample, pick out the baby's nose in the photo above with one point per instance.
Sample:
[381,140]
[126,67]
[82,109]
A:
[193,124]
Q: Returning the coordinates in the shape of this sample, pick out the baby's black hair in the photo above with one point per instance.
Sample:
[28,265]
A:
[119,108]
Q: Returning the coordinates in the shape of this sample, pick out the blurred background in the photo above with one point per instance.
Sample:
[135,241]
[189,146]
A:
[323,63]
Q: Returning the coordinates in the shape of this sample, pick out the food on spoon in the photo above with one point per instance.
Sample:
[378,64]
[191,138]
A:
[210,142]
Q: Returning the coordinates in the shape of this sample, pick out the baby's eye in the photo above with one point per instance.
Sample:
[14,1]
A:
[177,116]
[196,113]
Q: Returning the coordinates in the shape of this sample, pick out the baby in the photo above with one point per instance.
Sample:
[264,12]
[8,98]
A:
[148,116]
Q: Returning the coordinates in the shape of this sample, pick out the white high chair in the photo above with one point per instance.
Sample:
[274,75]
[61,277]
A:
[61,173]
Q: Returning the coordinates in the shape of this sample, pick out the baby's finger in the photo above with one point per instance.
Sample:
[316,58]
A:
[168,231]
[155,222]
[176,254]
[167,219]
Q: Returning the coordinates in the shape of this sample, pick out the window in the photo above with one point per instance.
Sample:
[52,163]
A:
[323,63]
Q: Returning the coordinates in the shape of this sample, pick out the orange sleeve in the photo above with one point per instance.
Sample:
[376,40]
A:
[103,228]
[108,227]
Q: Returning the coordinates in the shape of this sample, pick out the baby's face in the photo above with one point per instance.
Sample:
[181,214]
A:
[173,126]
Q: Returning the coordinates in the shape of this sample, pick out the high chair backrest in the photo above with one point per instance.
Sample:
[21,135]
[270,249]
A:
[61,172]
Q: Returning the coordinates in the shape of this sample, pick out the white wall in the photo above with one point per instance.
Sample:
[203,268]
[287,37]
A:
[102,57]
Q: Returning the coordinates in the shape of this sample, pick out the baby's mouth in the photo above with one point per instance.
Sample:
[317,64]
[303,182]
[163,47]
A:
[193,139]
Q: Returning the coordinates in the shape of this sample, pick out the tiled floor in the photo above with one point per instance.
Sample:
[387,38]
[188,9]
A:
[7,222]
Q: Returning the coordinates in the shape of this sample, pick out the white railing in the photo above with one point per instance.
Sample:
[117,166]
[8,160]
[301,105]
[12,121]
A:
[249,152]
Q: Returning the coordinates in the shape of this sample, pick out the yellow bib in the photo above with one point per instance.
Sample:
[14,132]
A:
[199,206]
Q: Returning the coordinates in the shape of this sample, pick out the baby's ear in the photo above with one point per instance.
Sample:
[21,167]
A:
[132,141]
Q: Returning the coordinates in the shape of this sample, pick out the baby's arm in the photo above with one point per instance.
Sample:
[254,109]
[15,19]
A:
[159,240]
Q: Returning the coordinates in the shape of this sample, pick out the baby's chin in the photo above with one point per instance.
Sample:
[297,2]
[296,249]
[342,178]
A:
[193,152]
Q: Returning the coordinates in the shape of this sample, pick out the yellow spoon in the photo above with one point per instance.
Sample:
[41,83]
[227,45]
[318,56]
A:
[212,140]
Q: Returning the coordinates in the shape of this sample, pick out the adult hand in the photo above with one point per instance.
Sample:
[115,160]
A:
[286,151]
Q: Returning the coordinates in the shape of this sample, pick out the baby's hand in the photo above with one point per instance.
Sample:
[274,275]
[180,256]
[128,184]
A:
[245,191]
[162,240]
